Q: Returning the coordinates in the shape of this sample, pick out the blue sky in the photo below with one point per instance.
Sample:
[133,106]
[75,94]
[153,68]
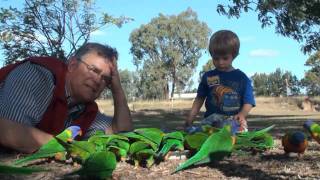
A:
[262,50]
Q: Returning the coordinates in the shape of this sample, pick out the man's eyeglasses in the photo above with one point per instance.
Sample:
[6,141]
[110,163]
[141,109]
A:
[97,72]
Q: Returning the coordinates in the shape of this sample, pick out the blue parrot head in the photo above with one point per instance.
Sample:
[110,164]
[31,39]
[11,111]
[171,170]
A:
[75,131]
[308,124]
[297,138]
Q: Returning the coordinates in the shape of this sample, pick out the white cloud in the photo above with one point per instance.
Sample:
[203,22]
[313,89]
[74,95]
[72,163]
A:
[98,33]
[264,53]
[245,39]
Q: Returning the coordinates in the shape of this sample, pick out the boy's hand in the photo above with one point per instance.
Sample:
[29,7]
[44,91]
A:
[243,122]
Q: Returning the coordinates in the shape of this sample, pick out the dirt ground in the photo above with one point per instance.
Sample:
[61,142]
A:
[273,164]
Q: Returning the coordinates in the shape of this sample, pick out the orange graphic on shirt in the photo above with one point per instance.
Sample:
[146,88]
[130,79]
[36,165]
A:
[219,91]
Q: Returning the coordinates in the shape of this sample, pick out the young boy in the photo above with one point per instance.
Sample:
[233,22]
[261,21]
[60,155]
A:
[228,91]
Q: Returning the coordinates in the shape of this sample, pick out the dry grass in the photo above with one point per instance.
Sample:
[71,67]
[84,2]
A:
[284,112]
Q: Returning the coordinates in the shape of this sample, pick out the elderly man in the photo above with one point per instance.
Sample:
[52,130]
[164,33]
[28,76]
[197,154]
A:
[42,96]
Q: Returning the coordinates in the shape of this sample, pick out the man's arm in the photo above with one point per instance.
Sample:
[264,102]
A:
[20,137]
[122,120]
[196,106]
[25,96]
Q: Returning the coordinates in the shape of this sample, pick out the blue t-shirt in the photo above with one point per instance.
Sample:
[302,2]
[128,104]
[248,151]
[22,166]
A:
[225,92]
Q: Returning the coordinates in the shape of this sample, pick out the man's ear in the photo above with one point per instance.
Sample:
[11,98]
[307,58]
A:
[72,64]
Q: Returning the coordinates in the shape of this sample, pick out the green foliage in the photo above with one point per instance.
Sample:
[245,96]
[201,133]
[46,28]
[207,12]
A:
[167,50]
[311,80]
[207,67]
[298,19]
[129,82]
[49,28]
[277,83]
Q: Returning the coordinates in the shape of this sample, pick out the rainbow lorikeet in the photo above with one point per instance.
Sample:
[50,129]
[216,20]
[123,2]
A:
[295,142]
[215,148]
[171,141]
[99,165]
[53,147]
[314,129]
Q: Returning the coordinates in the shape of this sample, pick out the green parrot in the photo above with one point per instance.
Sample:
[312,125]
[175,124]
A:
[254,140]
[153,134]
[145,157]
[78,150]
[209,129]
[6,169]
[216,147]
[99,165]
[142,153]
[171,141]
[314,129]
[193,142]
[106,138]
[53,148]
[119,147]
[134,137]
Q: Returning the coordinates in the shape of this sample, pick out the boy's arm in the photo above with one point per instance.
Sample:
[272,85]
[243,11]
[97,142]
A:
[245,110]
[21,137]
[196,106]
[241,116]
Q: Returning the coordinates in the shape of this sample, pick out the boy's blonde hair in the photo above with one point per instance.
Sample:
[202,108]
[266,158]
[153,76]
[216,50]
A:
[224,42]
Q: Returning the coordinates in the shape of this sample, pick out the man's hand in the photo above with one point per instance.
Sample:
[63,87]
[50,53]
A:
[21,137]
[115,82]
[122,120]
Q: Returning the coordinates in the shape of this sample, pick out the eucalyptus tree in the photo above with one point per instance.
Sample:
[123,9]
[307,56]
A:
[311,80]
[297,19]
[173,44]
[50,27]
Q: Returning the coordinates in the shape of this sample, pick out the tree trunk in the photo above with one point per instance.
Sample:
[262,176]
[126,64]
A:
[173,83]
[166,91]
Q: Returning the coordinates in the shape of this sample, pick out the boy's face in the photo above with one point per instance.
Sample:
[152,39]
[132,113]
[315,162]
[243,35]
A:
[223,62]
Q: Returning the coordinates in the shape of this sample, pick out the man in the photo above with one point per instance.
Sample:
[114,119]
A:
[41,96]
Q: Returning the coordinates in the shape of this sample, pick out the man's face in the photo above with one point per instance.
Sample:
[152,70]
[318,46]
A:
[88,77]
[223,62]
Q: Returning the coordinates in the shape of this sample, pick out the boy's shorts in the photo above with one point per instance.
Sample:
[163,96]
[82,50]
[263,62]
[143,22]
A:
[219,120]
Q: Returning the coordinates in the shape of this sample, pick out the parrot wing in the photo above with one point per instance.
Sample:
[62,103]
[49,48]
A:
[216,147]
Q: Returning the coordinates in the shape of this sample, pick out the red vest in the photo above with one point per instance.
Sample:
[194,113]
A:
[53,119]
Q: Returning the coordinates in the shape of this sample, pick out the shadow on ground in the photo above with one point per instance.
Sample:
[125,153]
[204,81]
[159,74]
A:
[174,120]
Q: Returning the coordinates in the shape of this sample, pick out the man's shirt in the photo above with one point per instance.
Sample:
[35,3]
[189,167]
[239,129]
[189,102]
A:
[26,94]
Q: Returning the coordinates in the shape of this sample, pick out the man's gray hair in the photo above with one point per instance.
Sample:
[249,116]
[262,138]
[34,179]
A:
[102,50]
